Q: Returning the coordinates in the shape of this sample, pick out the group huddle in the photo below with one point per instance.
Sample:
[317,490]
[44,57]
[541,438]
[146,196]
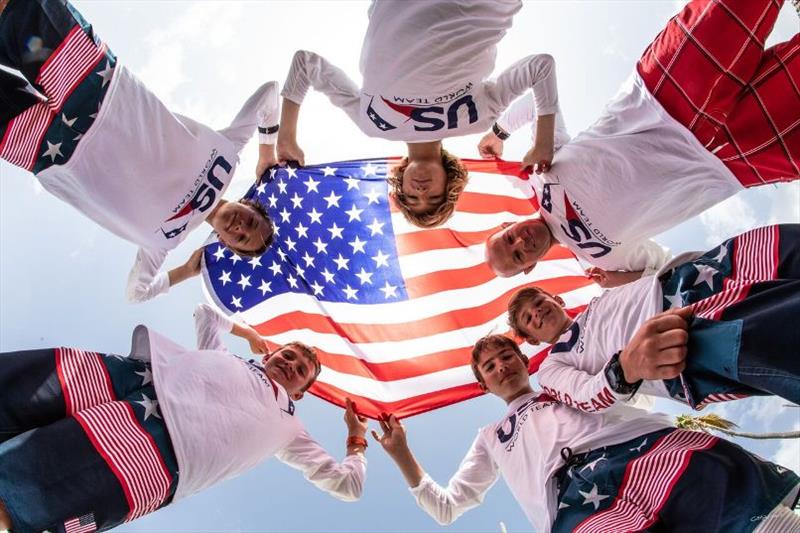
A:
[89,440]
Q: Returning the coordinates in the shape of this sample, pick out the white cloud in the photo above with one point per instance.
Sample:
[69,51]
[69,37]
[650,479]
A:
[788,453]
[728,218]
[786,204]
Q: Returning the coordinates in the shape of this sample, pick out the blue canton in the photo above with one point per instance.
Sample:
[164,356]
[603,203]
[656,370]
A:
[333,240]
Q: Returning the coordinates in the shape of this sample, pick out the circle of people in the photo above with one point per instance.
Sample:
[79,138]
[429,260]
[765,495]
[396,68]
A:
[707,112]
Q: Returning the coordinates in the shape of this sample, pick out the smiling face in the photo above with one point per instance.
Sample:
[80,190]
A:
[502,369]
[518,246]
[538,316]
[242,228]
[424,185]
[291,368]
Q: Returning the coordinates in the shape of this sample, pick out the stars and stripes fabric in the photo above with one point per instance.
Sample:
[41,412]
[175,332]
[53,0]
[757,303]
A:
[656,480]
[741,293]
[82,524]
[710,71]
[72,80]
[393,310]
[92,439]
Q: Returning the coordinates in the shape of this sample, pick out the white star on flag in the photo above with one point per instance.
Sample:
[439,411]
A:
[705,274]
[150,407]
[593,497]
[225,278]
[53,151]
[328,171]
[147,376]
[315,216]
[311,185]
[265,287]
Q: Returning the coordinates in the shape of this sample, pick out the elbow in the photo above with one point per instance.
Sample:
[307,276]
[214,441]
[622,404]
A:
[445,518]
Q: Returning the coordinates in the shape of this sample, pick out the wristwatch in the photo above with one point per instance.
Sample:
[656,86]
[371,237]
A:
[616,377]
[500,132]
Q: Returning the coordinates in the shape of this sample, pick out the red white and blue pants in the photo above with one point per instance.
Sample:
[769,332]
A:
[744,337]
[83,443]
[674,480]
[710,71]
[67,72]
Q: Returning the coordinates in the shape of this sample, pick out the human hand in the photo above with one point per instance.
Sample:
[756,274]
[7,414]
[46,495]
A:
[598,275]
[266,159]
[356,424]
[490,146]
[393,439]
[192,265]
[257,343]
[658,348]
[289,150]
[539,158]
[608,279]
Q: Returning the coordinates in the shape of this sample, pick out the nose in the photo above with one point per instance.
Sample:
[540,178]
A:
[420,185]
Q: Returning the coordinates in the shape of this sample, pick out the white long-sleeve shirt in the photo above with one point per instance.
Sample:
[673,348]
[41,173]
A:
[425,67]
[524,448]
[573,372]
[631,175]
[225,416]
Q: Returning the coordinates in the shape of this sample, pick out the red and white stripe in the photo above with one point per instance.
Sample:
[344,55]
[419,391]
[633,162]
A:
[756,255]
[413,356]
[65,69]
[84,379]
[715,398]
[647,483]
[130,452]
[755,258]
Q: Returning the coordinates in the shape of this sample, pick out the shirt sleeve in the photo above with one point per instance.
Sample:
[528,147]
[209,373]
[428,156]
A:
[475,476]
[311,70]
[649,257]
[536,72]
[209,325]
[561,377]
[145,281]
[344,480]
[261,110]
[522,112]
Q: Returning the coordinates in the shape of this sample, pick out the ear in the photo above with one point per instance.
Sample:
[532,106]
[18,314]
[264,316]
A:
[296,396]
[483,387]
[527,270]
[560,300]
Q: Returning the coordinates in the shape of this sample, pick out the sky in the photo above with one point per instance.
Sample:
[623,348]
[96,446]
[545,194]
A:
[62,278]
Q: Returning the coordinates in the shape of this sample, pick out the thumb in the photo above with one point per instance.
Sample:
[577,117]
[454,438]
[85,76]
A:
[683,312]
[375,435]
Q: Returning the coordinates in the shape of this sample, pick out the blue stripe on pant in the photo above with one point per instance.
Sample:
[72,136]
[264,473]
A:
[50,470]
[752,347]
[670,480]
[30,32]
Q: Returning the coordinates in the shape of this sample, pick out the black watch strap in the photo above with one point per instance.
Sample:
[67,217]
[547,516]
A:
[500,132]
[616,377]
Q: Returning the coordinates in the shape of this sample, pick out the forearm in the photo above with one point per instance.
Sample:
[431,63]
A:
[617,279]
[408,466]
[290,112]
[178,275]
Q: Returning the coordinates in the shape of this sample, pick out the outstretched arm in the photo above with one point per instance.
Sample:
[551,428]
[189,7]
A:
[311,70]
[466,489]
[344,480]
[145,281]
[210,324]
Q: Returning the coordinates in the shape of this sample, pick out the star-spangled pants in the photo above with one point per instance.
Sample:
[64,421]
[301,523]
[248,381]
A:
[67,72]
[82,439]
[674,480]
[744,335]
[710,71]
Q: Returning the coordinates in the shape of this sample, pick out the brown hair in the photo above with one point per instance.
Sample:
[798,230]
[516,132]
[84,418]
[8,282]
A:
[309,352]
[457,175]
[493,341]
[259,208]
[515,305]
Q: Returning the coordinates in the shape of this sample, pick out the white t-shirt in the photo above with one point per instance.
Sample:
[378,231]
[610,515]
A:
[573,372]
[525,449]
[425,67]
[225,416]
[633,174]
[150,175]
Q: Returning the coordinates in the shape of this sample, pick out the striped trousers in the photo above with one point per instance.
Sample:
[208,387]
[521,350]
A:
[83,444]
[744,335]
[674,480]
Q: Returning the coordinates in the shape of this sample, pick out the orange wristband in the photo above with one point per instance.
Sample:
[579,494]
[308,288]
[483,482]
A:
[357,441]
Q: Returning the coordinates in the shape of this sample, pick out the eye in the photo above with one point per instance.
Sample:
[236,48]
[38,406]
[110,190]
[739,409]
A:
[288,355]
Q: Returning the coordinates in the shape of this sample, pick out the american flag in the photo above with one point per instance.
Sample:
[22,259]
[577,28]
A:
[82,524]
[393,310]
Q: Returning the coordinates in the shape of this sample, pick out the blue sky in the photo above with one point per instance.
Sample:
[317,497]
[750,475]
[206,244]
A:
[62,278]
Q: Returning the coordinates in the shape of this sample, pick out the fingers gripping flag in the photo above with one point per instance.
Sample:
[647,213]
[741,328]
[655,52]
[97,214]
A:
[393,310]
